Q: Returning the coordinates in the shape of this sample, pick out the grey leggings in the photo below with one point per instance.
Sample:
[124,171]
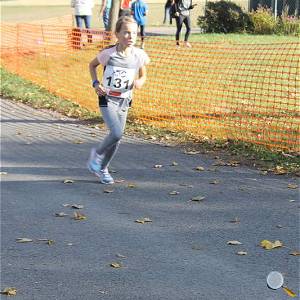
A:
[114,116]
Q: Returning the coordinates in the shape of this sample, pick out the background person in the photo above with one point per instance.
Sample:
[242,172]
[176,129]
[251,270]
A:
[105,13]
[83,10]
[182,15]
[167,14]
[139,10]
[125,6]
[124,69]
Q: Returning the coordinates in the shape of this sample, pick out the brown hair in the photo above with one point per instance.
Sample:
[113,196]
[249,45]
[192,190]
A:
[122,20]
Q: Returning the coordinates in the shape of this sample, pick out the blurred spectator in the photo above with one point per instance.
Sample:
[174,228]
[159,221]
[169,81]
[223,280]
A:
[125,8]
[105,12]
[168,11]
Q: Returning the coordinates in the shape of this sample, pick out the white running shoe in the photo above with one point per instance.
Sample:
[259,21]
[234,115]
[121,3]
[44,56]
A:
[94,162]
[105,177]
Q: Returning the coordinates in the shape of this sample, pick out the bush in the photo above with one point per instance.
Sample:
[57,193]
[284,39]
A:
[263,21]
[224,17]
[288,25]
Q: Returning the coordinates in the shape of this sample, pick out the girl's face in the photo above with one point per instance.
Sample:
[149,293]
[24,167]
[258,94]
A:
[127,35]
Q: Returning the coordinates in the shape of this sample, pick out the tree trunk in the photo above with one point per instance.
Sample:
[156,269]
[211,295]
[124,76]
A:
[114,14]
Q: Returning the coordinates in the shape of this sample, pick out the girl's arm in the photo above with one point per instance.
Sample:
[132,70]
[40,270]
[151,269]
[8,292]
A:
[138,83]
[99,89]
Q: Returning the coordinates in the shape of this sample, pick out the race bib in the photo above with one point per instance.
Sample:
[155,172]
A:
[118,81]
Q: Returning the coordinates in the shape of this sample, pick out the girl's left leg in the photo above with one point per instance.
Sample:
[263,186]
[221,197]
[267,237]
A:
[187,23]
[110,152]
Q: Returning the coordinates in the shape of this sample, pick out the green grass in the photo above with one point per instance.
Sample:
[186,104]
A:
[229,150]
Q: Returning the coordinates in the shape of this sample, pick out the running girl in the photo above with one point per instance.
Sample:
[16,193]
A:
[124,69]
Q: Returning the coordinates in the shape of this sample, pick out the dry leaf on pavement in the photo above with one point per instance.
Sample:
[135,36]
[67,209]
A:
[77,206]
[131,185]
[107,191]
[292,186]
[268,245]
[242,253]
[289,292]
[78,216]
[198,198]
[68,181]
[60,214]
[216,181]
[9,291]
[157,166]
[235,220]
[295,253]
[174,193]
[234,243]
[199,168]
[116,265]
[143,220]
[24,240]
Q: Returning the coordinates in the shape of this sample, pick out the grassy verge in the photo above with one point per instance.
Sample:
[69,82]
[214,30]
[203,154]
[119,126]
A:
[228,152]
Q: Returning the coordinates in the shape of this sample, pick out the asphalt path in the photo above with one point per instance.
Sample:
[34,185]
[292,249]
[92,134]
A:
[182,254]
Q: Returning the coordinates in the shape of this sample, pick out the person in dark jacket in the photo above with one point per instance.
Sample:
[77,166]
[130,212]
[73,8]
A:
[168,6]
[182,16]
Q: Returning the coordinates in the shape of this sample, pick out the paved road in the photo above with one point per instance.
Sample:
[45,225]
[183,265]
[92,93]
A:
[182,254]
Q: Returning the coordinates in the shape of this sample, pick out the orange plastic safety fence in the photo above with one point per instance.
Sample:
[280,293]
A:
[247,92]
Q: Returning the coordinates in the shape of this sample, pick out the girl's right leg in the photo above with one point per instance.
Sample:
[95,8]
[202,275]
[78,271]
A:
[179,21]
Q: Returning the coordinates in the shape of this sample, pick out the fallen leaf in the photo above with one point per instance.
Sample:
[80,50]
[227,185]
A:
[295,253]
[143,220]
[199,168]
[268,245]
[120,255]
[187,185]
[131,185]
[116,265]
[68,181]
[292,201]
[198,198]
[292,186]
[289,292]
[78,141]
[78,216]
[24,240]
[60,214]
[119,180]
[66,205]
[234,243]
[77,206]
[279,226]
[191,152]
[157,166]
[9,291]
[49,242]
[242,253]
[108,191]
[174,164]
[174,193]
[3,173]
[278,170]
[235,220]
[216,181]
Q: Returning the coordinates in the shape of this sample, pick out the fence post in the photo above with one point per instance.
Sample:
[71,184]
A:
[45,59]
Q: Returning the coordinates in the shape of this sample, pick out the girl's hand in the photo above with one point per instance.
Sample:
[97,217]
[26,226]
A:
[100,91]
[138,83]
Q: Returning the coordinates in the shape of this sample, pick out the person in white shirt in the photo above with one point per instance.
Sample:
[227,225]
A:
[83,12]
